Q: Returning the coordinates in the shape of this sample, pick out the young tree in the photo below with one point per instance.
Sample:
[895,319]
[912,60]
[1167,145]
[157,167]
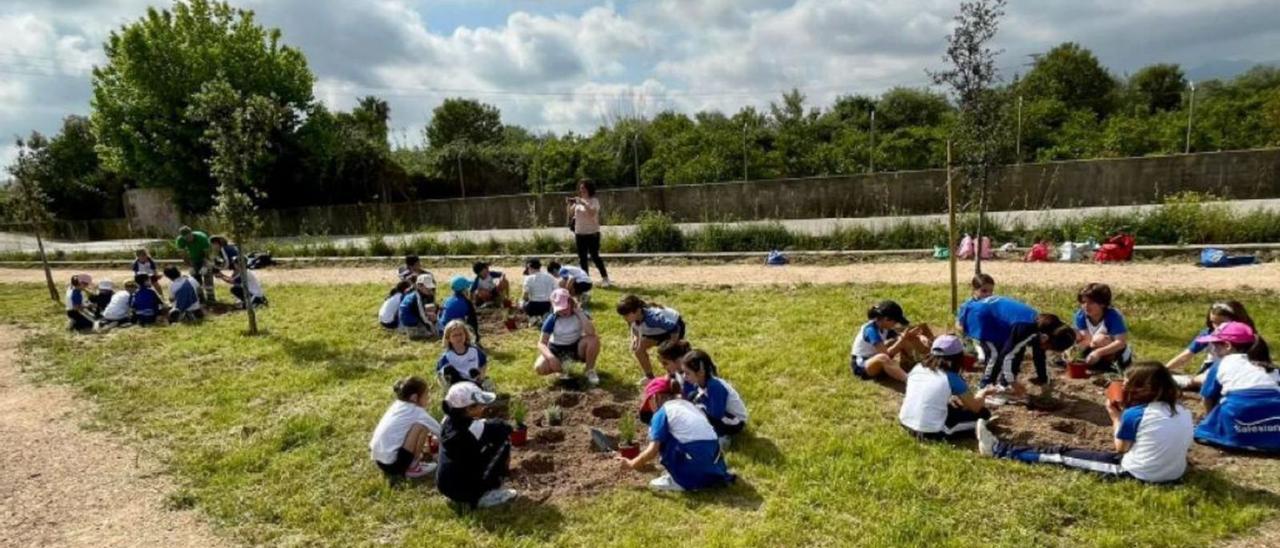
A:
[238,130]
[28,203]
[980,129]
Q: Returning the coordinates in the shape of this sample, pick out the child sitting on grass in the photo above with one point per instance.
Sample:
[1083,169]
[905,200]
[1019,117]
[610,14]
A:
[117,313]
[143,264]
[682,439]
[937,404]
[399,441]
[389,312]
[475,453]
[650,324]
[1152,433]
[538,286]
[411,270]
[1241,397]
[418,309]
[184,293]
[1219,313]
[876,346]
[490,286]
[567,334]
[461,360]
[146,302]
[670,352]
[1102,334]
[715,396]
[79,308]
[572,278]
[459,307]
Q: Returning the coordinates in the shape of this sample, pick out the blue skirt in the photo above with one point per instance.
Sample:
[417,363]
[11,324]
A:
[1248,419]
[696,465]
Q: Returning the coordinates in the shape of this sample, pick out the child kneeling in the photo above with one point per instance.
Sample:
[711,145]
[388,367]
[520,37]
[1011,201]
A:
[474,453]
[682,439]
[716,397]
[1152,434]
[937,404]
[400,439]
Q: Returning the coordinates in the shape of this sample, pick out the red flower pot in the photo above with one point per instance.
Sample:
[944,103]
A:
[1077,370]
[629,451]
[519,437]
[510,324]
[433,445]
[970,363]
[1115,392]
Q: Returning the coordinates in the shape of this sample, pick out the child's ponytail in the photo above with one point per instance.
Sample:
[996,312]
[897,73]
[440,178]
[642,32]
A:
[405,389]
[700,361]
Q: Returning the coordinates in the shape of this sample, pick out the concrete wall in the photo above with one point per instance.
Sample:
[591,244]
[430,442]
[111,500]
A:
[151,210]
[1232,175]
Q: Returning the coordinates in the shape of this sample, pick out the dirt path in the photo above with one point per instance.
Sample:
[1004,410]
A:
[1136,276]
[63,486]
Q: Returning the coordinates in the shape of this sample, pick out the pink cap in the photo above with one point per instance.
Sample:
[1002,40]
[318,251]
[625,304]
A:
[560,299]
[1230,332]
[658,385]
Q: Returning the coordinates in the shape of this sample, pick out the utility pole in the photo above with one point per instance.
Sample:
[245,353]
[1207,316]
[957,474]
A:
[744,153]
[872,153]
[635,156]
[462,185]
[1191,112]
[1018,147]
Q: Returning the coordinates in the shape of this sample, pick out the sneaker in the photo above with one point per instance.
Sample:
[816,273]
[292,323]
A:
[420,469]
[593,378]
[605,283]
[986,440]
[496,497]
[665,483]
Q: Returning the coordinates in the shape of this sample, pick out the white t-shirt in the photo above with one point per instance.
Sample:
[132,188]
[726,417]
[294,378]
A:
[251,283]
[576,274]
[388,436]
[929,391]
[564,330]
[118,308]
[686,422]
[1235,372]
[390,309]
[538,287]
[586,217]
[1160,441]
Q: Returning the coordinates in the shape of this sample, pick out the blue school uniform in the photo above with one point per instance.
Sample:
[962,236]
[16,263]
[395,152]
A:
[690,449]
[1112,324]
[658,322]
[722,404]
[992,319]
[147,267]
[464,366]
[185,296]
[409,310]
[1247,415]
[146,302]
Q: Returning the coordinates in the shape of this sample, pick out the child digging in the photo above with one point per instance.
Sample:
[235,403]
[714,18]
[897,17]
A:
[490,286]
[400,439]
[1003,328]
[682,439]
[146,302]
[1152,433]
[475,454]
[877,347]
[650,324]
[937,404]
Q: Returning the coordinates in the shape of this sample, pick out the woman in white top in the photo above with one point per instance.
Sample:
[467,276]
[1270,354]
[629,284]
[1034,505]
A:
[585,210]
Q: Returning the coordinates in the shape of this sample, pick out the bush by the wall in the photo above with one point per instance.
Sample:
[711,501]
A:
[655,232]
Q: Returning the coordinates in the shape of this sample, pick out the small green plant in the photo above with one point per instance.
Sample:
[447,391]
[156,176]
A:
[627,430]
[554,415]
[518,413]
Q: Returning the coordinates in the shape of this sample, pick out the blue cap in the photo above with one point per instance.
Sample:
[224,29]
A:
[459,284]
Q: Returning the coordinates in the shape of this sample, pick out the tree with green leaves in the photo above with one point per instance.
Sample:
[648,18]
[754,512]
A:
[972,77]
[154,69]
[1072,74]
[1159,87]
[27,203]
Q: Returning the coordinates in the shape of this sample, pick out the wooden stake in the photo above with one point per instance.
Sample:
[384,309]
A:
[951,233]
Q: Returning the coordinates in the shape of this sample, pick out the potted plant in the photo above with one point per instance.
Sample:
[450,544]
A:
[1076,367]
[520,435]
[1115,388]
[627,437]
[554,415]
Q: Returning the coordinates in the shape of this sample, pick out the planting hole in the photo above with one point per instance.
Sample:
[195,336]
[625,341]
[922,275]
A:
[538,464]
[1068,427]
[568,399]
[549,436]
[606,412]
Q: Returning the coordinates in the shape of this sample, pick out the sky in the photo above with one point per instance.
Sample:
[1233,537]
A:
[561,65]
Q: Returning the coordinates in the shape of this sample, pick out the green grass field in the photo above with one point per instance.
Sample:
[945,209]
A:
[267,436]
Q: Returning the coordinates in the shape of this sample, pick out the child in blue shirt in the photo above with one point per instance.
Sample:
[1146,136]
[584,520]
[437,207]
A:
[79,309]
[146,302]
[184,292]
[1003,329]
[1219,313]
[1152,433]
[418,309]
[490,286]
[143,264]
[876,346]
[713,395]
[650,324]
[1242,396]
[459,307]
[461,360]
[1102,333]
[682,439]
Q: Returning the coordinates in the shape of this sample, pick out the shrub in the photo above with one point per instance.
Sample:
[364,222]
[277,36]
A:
[655,232]
[377,246]
[750,237]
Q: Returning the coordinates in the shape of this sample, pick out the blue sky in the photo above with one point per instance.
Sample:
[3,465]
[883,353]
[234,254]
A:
[560,65]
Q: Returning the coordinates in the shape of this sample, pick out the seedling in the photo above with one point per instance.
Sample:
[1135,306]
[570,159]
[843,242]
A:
[554,415]
[627,430]
[518,412]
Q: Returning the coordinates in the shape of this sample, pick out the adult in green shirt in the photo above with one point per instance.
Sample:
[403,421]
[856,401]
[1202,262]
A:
[195,246]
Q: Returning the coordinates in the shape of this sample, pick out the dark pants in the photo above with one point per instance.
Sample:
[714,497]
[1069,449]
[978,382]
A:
[589,247]
[959,421]
[238,293]
[203,273]
[723,429]
[176,316]
[1101,462]
[79,320]
[537,308]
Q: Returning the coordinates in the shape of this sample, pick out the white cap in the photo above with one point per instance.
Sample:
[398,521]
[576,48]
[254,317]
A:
[106,284]
[465,394]
[426,280]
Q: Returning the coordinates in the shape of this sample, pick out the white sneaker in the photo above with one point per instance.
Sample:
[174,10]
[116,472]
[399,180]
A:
[665,483]
[497,497]
[986,440]
[420,469]
[593,378]
[605,283]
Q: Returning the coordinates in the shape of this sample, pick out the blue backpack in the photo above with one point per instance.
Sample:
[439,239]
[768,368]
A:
[1216,258]
[776,258]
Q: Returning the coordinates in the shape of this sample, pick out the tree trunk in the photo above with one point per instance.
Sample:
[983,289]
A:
[982,218]
[48,274]
[244,287]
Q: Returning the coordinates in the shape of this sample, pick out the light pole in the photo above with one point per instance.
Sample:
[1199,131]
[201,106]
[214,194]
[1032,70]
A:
[1191,112]
[872,153]
[744,153]
[1018,147]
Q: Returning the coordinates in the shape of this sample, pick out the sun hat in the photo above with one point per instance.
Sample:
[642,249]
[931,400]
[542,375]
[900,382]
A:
[655,386]
[560,300]
[892,311]
[85,279]
[459,284]
[107,285]
[1230,332]
[465,394]
[426,280]
[947,345]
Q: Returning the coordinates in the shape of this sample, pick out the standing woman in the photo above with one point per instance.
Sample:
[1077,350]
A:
[585,211]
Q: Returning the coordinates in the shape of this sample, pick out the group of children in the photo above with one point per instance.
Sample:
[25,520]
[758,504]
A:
[691,412]
[1153,432]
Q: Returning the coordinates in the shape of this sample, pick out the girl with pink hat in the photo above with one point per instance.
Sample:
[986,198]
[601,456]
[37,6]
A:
[567,334]
[682,439]
[1241,395]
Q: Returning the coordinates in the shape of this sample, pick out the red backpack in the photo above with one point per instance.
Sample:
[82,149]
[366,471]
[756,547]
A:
[1039,253]
[1118,248]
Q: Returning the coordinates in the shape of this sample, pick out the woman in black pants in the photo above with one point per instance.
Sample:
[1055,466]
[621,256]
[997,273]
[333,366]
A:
[585,210]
